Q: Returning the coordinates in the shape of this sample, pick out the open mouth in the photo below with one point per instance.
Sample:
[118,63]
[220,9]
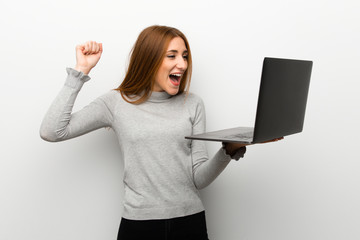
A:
[175,78]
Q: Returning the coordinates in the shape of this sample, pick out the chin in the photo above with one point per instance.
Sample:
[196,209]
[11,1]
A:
[172,91]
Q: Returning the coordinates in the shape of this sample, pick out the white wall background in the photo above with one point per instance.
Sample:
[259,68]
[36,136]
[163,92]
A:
[304,187]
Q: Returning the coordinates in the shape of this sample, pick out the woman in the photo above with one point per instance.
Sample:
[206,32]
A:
[150,112]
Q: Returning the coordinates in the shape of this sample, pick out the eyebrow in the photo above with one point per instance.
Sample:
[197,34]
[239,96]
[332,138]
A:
[176,51]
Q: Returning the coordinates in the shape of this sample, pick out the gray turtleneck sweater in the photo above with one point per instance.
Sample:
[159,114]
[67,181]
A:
[163,170]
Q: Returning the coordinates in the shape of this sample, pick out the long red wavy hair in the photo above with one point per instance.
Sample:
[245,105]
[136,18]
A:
[146,57]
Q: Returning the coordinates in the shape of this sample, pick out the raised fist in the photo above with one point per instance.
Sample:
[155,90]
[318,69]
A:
[87,56]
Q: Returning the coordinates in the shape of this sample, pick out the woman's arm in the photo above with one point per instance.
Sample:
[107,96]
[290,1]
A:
[205,170]
[59,123]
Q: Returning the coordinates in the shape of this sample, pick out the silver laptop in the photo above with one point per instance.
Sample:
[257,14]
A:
[281,104]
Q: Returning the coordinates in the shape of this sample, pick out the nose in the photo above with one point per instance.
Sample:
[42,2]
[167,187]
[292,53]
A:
[181,63]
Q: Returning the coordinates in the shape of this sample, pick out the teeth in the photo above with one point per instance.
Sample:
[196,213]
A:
[177,75]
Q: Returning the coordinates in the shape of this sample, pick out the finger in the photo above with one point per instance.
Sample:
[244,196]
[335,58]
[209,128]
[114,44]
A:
[97,47]
[90,47]
[93,47]
[86,48]
[80,48]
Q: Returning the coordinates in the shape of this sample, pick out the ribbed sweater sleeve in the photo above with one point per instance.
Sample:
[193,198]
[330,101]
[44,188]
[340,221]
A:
[61,124]
[205,170]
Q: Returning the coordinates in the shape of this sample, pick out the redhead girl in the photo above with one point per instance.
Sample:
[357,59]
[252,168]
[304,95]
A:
[150,112]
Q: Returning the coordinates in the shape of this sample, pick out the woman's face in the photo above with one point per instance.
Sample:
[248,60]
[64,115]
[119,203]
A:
[172,68]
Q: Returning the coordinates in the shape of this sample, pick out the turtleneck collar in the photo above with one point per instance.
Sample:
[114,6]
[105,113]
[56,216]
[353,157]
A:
[159,96]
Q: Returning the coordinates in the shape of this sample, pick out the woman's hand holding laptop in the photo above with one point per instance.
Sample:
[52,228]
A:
[232,147]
